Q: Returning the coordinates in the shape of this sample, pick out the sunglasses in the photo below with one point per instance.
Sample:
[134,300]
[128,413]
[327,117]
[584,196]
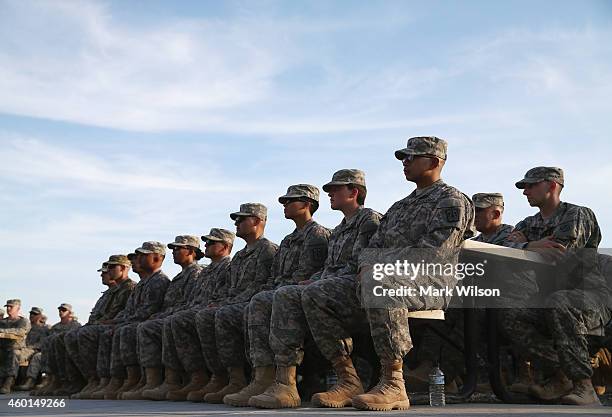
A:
[62,309]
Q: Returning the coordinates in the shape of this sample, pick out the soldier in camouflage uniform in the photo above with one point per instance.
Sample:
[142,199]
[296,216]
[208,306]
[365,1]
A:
[301,254]
[433,216]
[84,351]
[31,353]
[288,327]
[119,341]
[224,343]
[185,252]
[52,356]
[210,292]
[15,328]
[555,336]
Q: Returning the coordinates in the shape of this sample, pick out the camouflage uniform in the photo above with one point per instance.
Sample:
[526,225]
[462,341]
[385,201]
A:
[9,348]
[301,254]
[89,355]
[151,332]
[53,352]
[212,288]
[290,308]
[556,336]
[31,353]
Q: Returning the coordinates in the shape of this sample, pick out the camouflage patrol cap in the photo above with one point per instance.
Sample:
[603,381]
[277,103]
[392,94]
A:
[13,302]
[484,200]
[425,146]
[346,177]
[36,310]
[104,267]
[539,174]
[152,247]
[251,210]
[66,306]
[118,260]
[187,241]
[220,235]
[300,191]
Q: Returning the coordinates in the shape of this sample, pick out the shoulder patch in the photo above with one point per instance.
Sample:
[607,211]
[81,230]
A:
[451,214]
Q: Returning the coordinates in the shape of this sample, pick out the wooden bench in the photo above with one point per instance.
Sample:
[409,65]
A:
[427,314]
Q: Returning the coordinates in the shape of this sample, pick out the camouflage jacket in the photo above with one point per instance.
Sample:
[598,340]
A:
[435,217]
[346,242]
[179,291]
[60,327]
[98,309]
[36,336]
[118,297]
[146,299]
[18,327]
[577,229]
[212,284]
[301,254]
[250,270]
[498,237]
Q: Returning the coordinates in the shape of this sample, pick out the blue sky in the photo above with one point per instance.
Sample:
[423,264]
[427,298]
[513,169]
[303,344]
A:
[122,122]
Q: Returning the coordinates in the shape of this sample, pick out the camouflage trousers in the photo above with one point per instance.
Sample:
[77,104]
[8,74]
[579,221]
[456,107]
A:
[333,311]
[69,347]
[49,352]
[34,365]
[9,362]
[94,360]
[205,326]
[231,335]
[154,336]
[556,336]
[65,368]
[189,351]
[259,313]
[288,326]
[125,349]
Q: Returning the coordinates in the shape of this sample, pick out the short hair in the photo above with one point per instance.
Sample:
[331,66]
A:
[361,194]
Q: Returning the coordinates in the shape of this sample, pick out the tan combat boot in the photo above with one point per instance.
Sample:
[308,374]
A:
[133,376]
[282,393]
[216,383]
[92,383]
[7,386]
[555,388]
[54,384]
[153,378]
[110,392]
[98,392]
[389,394]
[198,380]
[26,386]
[417,379]
[348,386]
[582,394]
[138,387]
[172,382]
[237,381]
[264,377]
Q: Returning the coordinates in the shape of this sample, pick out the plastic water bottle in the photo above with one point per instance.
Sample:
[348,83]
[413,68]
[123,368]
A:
[331,379]
[436,388]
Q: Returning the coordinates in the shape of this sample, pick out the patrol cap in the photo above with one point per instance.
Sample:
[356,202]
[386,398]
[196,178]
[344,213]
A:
[300,191]
[220,235]
[36,310]
[187,241]
[152,247]
[118,260]
[251,210]
[484,200]
[66,306]
[423,146]
[346,177]
[539,174]
[104,267]
[13,302]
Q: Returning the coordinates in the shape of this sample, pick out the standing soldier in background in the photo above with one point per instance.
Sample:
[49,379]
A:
[301,254]
[289,328]
[555,336]
[13,331]
[119,342]
[185,253]
[182,350]
[224,338]
[31,353]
